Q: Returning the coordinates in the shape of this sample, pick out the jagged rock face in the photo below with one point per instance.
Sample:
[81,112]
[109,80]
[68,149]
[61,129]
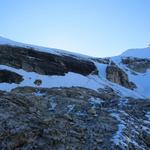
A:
[117,75]
[10,77]
[137,64]
[43,63]
[71,118]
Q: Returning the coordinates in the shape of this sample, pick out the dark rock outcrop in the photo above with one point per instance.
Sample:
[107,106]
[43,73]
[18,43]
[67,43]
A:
[10,77]
[43,63]
[137,64]
[117,75]
[101,60]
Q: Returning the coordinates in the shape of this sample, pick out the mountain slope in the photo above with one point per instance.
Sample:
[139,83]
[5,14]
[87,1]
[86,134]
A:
[136,63]
[54,99]
[64,66]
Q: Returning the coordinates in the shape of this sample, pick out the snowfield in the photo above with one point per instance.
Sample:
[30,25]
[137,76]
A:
[138,52]
[73,79]
[69,80]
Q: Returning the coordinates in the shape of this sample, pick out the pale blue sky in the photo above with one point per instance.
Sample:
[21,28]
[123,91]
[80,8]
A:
[93,27]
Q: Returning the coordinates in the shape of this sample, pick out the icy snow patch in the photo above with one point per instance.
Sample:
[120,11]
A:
[148,115]
[101,69]
[39,94]
[53,104]
[70,107]
[95,101]
[118,138]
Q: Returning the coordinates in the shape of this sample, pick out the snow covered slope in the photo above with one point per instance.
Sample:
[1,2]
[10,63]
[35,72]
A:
[141,79]
[138,52]
[5,41]
[91,81]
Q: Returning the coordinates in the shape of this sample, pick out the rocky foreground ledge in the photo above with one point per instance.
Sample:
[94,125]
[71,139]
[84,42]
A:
[72,118]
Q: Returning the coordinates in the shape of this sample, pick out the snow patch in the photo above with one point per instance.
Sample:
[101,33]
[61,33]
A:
[118,138]
[39,94]
[70,79]
[95,101]
[148,115]
[53,104]
[101,69]
[70,108]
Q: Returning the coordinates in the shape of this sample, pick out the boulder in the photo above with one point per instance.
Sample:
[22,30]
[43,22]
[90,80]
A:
[38,82]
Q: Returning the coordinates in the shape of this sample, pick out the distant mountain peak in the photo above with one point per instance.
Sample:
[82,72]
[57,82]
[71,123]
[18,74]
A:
[137,52]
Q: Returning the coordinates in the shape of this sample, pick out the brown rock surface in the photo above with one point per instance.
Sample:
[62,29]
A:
[117,75]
